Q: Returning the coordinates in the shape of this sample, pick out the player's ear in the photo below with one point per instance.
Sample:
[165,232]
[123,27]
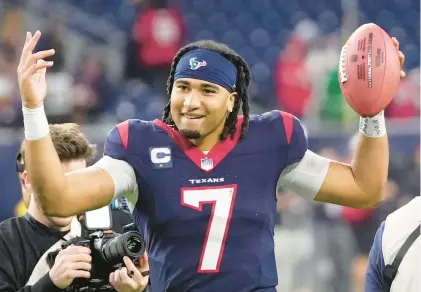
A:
[231,101]
[26,180]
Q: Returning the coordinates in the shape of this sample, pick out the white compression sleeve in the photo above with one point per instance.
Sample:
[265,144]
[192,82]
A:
[305,177]
[124,177]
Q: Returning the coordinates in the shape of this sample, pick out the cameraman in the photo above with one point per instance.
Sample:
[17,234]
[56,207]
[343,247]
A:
[25,241]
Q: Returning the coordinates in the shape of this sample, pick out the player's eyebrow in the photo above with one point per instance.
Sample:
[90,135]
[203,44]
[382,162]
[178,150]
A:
[182,82]
[203,85]
[209,86]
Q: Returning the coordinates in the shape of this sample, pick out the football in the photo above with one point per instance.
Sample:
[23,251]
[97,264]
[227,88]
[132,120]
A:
[369,70]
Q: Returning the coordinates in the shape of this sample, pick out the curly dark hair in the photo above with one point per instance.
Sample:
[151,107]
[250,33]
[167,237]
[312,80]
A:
[242,85]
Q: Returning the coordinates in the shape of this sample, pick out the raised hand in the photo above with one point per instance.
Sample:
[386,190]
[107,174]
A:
[31,72]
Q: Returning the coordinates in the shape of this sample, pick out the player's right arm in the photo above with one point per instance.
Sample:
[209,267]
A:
[57,193]
[76,192]
[62,194]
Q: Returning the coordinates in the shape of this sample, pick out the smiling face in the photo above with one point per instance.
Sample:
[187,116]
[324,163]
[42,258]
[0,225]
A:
[199,108]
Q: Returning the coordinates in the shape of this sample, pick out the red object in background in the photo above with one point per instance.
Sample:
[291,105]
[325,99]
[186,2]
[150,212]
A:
[159,32]
[406,102]
[352,215]
[293,86]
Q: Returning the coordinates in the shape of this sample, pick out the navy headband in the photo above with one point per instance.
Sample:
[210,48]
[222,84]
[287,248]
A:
[209,66]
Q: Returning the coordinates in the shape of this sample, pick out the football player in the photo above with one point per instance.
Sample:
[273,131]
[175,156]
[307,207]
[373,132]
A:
[202,181]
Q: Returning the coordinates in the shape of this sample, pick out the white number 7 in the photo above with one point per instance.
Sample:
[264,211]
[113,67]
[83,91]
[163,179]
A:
[222,198]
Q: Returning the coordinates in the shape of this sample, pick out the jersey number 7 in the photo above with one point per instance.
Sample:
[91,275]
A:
[222,198]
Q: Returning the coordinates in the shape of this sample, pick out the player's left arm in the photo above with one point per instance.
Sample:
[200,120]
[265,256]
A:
[361,184]
[357,185]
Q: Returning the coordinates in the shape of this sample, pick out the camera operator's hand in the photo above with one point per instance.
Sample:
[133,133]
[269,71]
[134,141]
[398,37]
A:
[71,263]
[129,278]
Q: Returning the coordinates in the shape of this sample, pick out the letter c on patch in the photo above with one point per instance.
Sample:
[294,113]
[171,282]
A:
[160,155]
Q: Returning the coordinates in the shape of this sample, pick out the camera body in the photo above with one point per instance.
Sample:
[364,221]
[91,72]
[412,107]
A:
[107,251]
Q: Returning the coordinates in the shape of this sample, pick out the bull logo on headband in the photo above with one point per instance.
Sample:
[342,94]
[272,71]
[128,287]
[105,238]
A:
[194,64]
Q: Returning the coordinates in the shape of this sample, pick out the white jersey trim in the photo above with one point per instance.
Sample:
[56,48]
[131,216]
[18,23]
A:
[124,177]
[305,178]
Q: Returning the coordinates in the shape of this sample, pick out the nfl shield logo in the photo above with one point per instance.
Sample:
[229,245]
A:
[206,163]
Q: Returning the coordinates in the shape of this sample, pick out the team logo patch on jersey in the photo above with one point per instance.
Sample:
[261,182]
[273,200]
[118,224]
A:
[206,163]
[194,64]
[160,157]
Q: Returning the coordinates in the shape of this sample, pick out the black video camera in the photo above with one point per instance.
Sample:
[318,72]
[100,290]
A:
[107,249]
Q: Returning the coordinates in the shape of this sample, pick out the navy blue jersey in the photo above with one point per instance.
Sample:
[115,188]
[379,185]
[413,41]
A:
[208,219]
[376,266]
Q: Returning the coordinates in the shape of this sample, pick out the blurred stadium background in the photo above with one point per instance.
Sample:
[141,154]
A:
[113,58]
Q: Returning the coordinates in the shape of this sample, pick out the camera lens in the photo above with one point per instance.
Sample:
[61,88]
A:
[129,244]
[134,245]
